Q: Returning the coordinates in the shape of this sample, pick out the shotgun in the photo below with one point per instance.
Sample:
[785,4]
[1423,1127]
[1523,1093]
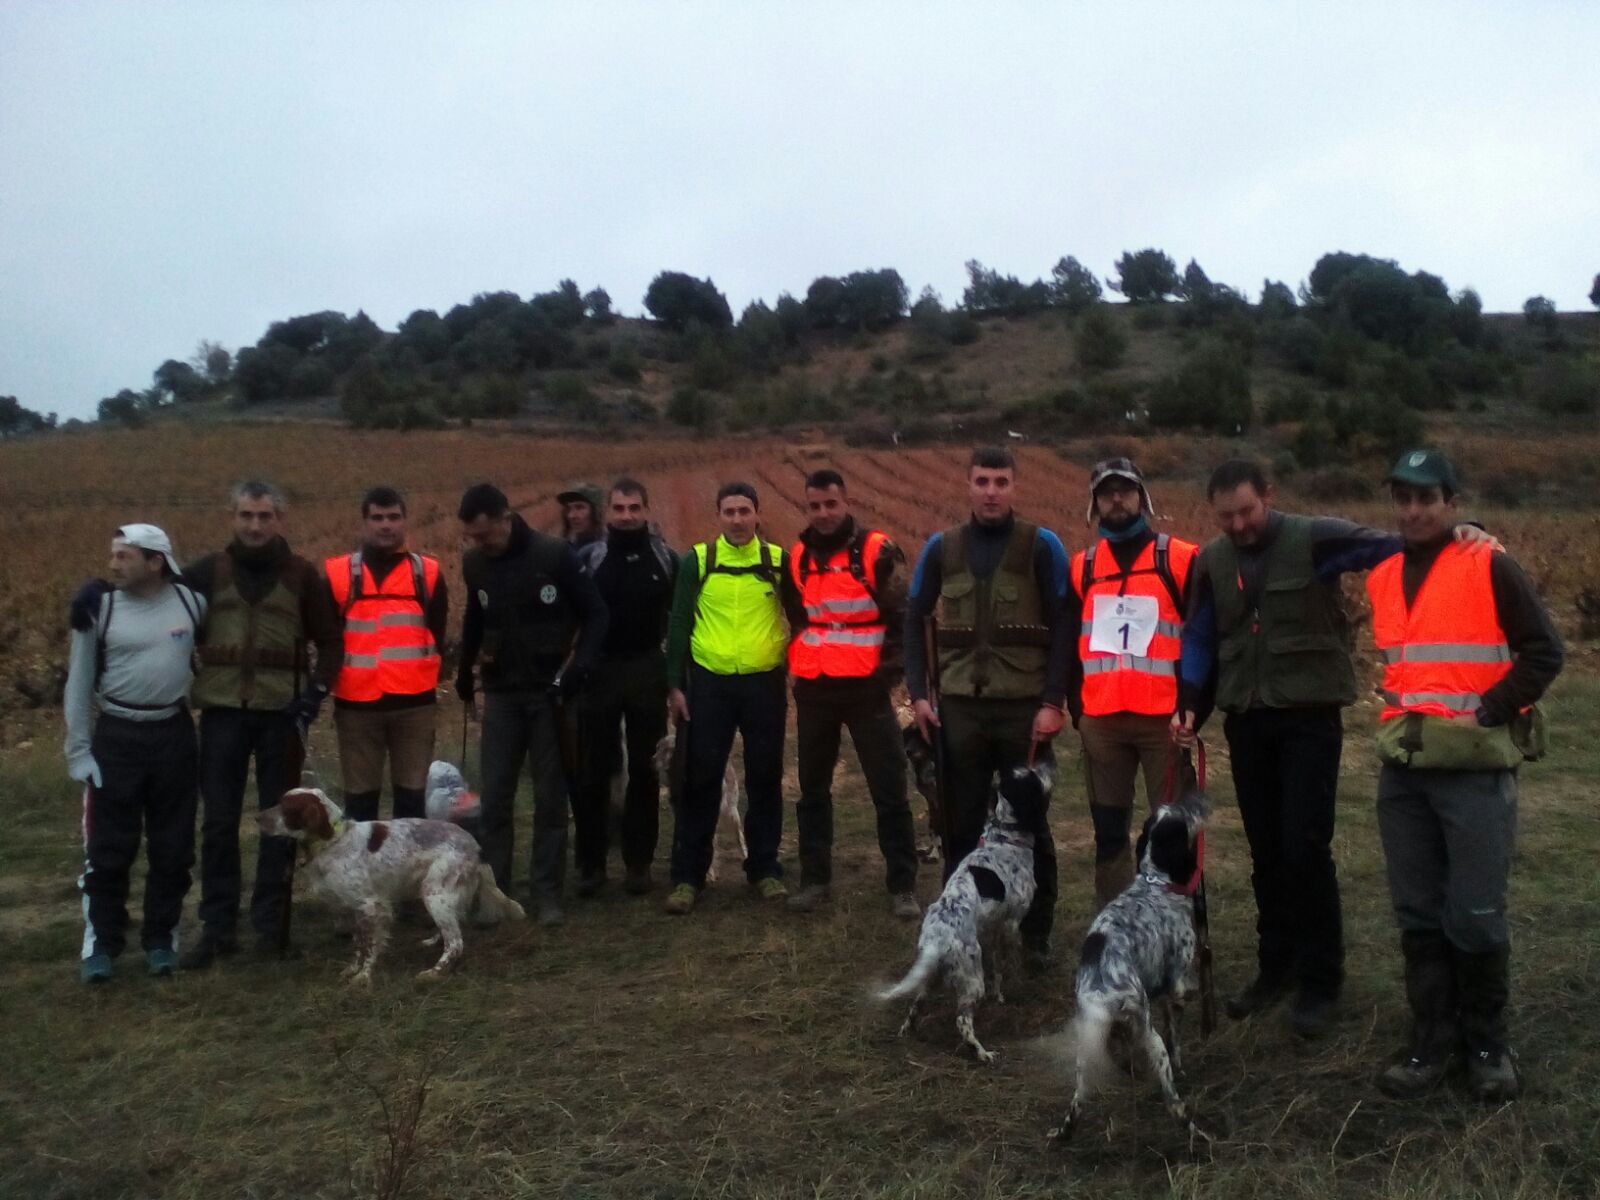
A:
[943,815]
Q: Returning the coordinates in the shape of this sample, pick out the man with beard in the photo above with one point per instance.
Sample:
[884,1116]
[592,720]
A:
[1267,630]
[1128,599]
[257,691]
[845,592]
[635,571]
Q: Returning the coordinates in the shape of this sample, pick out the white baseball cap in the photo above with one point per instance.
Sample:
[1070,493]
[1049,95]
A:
[152,538]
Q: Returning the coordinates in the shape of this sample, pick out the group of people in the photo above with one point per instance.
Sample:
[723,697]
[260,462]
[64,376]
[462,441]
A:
[587,644]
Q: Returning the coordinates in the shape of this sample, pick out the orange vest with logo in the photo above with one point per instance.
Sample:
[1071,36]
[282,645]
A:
[1146,683]
[1441,654]
[844,630]
[388,648]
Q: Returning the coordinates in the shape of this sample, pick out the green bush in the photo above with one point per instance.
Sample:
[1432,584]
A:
[625,365]
[1210,391]
[1338,484]
[1562,389]
[1296,402]
[1101,342]
[692,408]
[1365,426]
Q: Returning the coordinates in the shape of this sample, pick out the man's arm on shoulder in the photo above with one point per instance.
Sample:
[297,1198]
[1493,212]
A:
[1339,546]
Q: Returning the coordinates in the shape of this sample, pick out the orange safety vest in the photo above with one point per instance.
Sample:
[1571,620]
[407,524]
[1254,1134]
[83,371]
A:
[388,648]
[1441,654]
[1146,683]
[844,630]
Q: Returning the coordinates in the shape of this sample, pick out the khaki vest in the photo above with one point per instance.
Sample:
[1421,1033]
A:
[253,655]
[993,640]
[1293,649]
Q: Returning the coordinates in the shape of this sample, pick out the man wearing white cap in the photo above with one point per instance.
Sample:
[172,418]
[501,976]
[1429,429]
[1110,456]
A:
[130,663]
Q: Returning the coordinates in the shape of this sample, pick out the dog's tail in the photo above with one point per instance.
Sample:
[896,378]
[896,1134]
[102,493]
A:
[493,904]
[922,971]
[1091,1030]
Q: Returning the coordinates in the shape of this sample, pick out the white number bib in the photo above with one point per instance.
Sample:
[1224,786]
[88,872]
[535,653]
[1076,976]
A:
[1124,624]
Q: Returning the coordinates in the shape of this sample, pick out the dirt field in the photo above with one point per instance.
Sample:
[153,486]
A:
[732,1053]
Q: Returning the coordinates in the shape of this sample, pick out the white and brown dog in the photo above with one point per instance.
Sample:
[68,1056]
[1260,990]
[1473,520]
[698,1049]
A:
[1139,959]
[370,866]
[981,907]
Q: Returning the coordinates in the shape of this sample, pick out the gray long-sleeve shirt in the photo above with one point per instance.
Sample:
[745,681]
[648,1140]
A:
[149,643]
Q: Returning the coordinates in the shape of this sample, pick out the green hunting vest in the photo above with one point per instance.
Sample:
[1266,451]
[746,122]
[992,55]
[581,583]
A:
[993,640]
[253,655]
[1293,649]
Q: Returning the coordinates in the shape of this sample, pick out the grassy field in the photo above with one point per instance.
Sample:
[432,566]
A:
[734,1053]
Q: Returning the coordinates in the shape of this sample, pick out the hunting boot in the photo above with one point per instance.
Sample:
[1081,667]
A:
[1484,984]
[1265,990]
[1435,1035]
[1111,878]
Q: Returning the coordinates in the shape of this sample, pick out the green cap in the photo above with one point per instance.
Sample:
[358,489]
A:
[1424,468]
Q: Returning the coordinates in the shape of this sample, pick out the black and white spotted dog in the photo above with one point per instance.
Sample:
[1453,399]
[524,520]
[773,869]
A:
[980,908]
[1140,957]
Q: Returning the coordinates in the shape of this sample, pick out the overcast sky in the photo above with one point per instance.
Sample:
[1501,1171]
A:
[173,172]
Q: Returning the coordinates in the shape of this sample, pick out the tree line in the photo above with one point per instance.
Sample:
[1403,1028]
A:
[1357,321]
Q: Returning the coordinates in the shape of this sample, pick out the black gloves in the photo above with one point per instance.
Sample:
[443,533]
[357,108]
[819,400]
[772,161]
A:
[569,683]
[307,706]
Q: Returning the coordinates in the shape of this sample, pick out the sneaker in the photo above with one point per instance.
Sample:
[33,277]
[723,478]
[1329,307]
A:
[161,962]
[1312,1014]
[95,969]
[809,898]
[591,884]
[207,950]
[1264,991]
[550,914]
[681,899]
[1492,1074]
[1417,1074]
[771,888]
[904,906]
[638,883]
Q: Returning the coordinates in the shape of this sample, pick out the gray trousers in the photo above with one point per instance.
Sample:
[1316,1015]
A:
[518,726]
[1447,843]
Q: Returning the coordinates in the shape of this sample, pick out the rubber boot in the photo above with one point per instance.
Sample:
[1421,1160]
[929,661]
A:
[1484,984]
[1111,878]
[1435,1034]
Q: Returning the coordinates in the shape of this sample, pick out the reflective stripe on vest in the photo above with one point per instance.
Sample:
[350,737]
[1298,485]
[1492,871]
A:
[1146,684]
[388,648]
[1444,651]
[846,636]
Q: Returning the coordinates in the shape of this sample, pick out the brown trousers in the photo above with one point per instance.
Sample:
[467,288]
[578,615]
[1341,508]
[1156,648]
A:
[1115,748]
[403,736]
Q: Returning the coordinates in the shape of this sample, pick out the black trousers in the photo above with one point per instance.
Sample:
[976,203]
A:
[1286,773]
[148,772]
[520,726]
[822,708]
[981,738]
[756,707]
[624,699]
[230,738]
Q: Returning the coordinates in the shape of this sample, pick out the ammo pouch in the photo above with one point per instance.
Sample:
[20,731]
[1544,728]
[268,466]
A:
[1430,743]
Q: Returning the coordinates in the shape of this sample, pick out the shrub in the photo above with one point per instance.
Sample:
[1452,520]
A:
[625,365]
[1101,343]
[1297,402]
[692,408]
[676,300]
[1562,389]
[1211,391]
[1146,275]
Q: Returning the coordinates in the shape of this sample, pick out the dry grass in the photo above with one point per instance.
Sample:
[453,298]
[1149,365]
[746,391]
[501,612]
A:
[734,1052]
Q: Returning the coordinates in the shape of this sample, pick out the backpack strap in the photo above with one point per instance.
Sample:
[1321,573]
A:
[419,580]
[353,592]
[1086,576]
[101,626]
[663,556]
[1164,570]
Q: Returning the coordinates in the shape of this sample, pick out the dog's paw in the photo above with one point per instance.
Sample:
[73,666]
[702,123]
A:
[987,1056]
[1062,1133]
[431,974]
[431,941]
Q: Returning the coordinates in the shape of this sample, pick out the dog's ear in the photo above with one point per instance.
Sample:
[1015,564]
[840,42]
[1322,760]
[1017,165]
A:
[1172,852]
[1144,840]
[303,811]
[1024,792]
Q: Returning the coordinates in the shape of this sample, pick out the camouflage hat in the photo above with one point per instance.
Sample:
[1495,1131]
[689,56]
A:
[588,493]
[1117,468]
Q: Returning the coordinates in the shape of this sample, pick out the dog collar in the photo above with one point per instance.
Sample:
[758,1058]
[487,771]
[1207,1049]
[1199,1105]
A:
[1004,839]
